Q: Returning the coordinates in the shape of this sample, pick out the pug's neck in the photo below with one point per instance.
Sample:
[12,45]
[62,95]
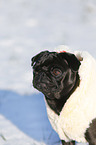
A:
[57,104]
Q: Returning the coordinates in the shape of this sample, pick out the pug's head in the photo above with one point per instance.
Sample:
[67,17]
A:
[55,74]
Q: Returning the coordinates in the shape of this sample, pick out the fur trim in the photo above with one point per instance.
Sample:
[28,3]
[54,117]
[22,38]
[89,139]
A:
[62,48]
[80,109]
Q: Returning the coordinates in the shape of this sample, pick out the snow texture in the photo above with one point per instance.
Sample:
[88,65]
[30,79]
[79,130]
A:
[26,28]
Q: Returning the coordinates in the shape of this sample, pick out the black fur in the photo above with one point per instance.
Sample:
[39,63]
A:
[68,143]
[90,134]
[56,76]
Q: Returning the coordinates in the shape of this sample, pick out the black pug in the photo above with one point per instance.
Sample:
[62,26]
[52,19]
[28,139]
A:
[56,76]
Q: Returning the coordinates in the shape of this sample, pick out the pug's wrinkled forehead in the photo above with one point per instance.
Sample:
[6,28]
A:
[44,58]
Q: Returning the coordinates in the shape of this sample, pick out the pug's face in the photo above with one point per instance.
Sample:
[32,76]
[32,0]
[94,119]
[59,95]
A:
[54,74]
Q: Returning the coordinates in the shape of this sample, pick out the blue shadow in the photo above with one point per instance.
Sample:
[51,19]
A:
[28,113]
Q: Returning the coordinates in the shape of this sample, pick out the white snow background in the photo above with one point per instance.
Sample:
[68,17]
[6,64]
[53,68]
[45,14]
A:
[26,28]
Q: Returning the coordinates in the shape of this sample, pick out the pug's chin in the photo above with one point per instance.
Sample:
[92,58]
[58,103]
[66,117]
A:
[53,96]
[49,96]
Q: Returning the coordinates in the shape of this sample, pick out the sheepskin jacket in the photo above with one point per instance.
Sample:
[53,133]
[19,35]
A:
[80,108]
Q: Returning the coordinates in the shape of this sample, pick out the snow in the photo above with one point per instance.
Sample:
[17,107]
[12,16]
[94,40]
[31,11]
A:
[26,28]
[23,119]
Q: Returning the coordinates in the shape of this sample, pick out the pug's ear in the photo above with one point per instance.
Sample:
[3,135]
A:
[72,60]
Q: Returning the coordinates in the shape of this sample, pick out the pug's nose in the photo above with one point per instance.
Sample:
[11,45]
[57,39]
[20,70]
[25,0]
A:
[38,80]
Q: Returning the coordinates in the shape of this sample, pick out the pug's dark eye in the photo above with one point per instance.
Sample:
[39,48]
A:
[56,72]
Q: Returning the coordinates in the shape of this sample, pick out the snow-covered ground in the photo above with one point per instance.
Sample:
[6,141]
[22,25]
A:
[26,28]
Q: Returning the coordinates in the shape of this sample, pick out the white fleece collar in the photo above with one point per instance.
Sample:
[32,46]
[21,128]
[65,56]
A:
[80,108]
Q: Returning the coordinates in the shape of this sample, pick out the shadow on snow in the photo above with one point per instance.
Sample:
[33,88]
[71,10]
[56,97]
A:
[28,113]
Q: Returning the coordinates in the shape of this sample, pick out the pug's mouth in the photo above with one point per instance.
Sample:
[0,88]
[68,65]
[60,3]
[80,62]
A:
[49,90]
